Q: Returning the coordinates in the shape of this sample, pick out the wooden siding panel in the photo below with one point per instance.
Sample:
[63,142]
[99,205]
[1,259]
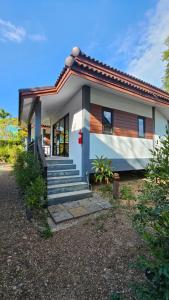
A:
[124,123]
[95,118]
[149,128]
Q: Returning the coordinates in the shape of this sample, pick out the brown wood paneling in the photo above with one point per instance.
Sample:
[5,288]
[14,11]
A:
[149,128]
[95,118]
[124,123]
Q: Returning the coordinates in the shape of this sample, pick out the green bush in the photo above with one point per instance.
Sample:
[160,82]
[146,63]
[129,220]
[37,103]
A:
[34,194]
[8,153]
[26,169]
[152,222]
[28,175]
[102,169]
[126,193]
[46,232]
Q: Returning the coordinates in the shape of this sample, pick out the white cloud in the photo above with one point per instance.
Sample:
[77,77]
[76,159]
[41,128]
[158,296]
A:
[10,32]
[145,58]
[13,33]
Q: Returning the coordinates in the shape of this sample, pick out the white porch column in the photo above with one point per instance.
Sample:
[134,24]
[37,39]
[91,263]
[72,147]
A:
[37,122]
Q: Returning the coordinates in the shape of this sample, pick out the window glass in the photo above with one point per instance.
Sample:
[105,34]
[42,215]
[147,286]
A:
[141,127]
[107,121]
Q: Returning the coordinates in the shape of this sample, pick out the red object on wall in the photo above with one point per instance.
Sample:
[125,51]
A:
[80,138]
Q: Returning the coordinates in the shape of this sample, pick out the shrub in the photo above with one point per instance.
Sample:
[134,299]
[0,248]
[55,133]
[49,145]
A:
[102,169]
[152,222]
[28,175]
[46,232]
[8,153]
[4,154]
[126,193]
[26,169]
[34,194]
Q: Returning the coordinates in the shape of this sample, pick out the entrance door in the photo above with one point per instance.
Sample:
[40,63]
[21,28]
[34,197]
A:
[61,137]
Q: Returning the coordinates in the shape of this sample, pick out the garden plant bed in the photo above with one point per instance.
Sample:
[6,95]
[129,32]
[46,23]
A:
[87,261]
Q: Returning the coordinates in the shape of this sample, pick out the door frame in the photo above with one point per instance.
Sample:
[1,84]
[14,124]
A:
[63,118]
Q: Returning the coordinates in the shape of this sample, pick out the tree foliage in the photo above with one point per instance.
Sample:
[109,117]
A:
[152,222]
[166,59]
[4,114]
[12,137]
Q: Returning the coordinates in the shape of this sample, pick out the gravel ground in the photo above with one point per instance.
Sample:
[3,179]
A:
[86,262]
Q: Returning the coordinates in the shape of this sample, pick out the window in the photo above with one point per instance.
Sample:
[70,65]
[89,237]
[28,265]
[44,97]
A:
[107,120]
[141,127]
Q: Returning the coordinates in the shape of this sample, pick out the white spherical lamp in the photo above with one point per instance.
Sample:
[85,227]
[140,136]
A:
[75,51]
[69,61]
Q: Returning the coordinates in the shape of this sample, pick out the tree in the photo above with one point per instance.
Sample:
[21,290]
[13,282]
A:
[166,59]
[4,114]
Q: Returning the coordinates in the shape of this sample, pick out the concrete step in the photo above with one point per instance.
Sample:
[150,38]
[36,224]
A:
[59,161]
[61,166]
[70,172]
[69,196]
[63,179]
[67,187]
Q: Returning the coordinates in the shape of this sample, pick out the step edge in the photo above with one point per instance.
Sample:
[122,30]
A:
[67,194]
[68,184]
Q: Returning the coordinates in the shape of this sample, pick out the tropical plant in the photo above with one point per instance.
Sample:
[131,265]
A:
[152,222]
[102,169]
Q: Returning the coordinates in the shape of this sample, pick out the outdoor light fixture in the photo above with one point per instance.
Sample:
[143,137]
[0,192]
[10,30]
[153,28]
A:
[70,59]
[75,51]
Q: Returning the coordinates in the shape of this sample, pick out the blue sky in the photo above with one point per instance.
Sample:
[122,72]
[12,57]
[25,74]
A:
[36,36]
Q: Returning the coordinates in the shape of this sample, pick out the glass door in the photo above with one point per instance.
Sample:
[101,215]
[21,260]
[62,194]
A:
[61,137]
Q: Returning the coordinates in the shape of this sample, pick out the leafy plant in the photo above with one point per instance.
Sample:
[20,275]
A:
[4,114]
[34,194]
[115,296]
[126,193]
[26,169]
[152,222]
[28,175]
[8,153]
[166,59]
[102,169]
[46,232]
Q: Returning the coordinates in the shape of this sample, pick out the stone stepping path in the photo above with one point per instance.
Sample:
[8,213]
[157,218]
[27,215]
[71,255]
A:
[76,209]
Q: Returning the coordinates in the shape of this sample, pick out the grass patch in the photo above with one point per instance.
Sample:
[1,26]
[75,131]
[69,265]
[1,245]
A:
[126,193]
[40,219]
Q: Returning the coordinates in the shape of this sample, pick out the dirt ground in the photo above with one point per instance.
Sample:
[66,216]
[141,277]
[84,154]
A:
[86,262]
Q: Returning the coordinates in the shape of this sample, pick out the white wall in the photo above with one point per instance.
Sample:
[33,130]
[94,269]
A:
[118,102]
[74,108]
[160,124]
[119,147]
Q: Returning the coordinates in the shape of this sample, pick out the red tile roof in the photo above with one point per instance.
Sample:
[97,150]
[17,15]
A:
[86,65]
[93,70]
